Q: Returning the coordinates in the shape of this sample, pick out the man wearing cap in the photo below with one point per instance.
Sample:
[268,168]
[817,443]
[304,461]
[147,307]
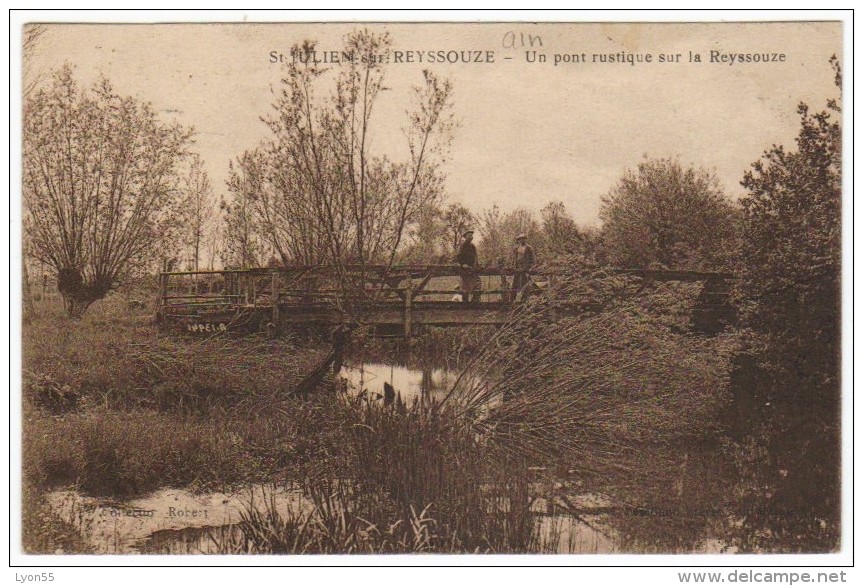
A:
[523,260]
[466,259]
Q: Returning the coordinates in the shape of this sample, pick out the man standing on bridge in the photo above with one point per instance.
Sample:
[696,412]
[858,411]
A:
[471,285]
[523,260]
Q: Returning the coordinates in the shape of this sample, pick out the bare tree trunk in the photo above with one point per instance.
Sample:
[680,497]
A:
[76,306]
[29,308]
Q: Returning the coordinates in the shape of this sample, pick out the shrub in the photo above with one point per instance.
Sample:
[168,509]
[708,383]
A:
[586,385]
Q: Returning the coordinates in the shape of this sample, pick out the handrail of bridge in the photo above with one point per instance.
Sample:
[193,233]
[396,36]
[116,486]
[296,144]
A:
[436,269]
[453,269]
[389,279]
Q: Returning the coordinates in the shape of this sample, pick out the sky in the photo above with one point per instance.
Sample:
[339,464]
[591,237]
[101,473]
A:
[529,132]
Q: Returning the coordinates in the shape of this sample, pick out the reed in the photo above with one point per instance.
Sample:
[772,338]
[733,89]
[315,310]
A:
[584,391]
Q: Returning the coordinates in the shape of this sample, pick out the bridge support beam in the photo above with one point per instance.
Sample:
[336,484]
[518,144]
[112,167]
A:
[163,292]
[408,298]
[274,294]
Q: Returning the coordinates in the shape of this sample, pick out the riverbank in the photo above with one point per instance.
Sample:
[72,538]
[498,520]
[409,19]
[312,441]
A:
[115,408]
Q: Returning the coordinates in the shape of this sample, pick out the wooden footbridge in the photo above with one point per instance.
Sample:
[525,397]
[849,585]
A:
[394,301]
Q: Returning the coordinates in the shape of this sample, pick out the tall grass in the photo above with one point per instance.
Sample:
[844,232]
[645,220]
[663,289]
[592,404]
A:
[409,482]
[118,408]
[126,453]
[125,362]
[584,386]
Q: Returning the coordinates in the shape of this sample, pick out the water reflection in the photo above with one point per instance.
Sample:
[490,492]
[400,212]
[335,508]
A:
[168,520]
[423,384]
[671,499]
[175,521]
[664,497]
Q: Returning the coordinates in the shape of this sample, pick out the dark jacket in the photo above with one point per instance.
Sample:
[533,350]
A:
[466,254]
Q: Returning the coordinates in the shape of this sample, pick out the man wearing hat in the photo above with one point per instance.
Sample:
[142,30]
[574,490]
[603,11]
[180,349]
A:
[523,260]
[466,259]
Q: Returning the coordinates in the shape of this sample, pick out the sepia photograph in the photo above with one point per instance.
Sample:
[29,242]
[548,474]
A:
[549,288]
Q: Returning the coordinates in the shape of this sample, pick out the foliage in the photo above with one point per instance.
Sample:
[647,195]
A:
[456,219]
[43,531]
[666,216]
[100,185]
[560,235]
[437,233]
[598,365]
[394,460]
[790,261]
[428,477]
[428,241]
[791,254]
[498,232]
[116,408]
[31,40]
[118,360]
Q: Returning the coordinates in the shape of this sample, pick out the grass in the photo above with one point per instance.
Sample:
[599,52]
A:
[105,452]
[118,360]
[115,408]
[410,482]
[588,387]
[43,531]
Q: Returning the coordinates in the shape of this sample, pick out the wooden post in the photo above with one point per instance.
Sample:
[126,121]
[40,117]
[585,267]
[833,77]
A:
[29,309]
[163,291]
[409,293]
[274,294]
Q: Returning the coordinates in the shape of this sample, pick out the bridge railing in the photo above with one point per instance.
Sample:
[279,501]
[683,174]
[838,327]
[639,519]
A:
[252,284]
[279,291]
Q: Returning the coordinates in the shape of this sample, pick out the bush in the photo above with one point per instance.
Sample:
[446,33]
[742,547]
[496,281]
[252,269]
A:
[126,453]
[115,359]
[584,385]
[409,479]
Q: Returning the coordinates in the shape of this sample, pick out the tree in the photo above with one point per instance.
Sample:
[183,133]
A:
[499,232]
[790,275]
[560,235]
[197,211]
[457,219]
[429,241]
[665,215]
[321,194]
[791,253]
[32,38]
[493,245]
[214,241]
[244,242]
[100,185]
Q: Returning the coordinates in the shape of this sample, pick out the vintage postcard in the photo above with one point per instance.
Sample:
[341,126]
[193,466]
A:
[447,288]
